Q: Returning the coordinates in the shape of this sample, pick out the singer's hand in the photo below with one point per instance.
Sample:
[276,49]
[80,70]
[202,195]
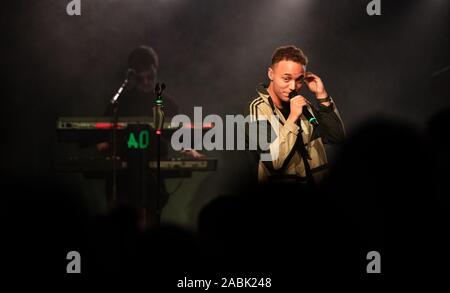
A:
[315,85]
[296,104]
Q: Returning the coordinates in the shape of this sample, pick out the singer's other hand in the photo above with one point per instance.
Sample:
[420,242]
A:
[315,85]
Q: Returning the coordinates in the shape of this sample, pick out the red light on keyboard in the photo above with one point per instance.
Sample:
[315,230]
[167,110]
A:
[199,126]
[158,132]
[108,125]
[208,125]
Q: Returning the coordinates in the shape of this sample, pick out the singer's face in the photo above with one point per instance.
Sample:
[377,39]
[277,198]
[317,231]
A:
[285,77]
[145,80]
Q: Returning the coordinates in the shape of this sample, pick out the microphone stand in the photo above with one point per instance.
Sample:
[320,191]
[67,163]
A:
[115,117]
[158,116]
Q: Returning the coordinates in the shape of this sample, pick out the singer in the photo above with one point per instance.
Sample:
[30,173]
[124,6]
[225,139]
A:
[302,129]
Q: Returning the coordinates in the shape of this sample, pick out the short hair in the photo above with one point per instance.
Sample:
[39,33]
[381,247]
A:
[143,58]
[291,53]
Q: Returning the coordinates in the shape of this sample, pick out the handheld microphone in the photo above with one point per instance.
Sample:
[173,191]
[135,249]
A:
[305,110]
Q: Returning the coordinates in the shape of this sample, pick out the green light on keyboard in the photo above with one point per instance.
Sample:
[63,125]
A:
[143,142]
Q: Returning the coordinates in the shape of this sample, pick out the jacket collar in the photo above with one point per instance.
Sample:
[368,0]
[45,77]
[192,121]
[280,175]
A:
[261,89]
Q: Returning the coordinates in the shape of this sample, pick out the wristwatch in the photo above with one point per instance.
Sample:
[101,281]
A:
[327,99]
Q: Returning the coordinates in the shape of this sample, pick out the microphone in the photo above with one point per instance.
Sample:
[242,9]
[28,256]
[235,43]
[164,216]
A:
[130,72]
[158,113]
[305,110]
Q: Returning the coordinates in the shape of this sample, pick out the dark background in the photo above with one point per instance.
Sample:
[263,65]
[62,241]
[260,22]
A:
[212,54]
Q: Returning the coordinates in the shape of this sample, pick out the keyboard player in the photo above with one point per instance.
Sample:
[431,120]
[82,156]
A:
[137,187]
